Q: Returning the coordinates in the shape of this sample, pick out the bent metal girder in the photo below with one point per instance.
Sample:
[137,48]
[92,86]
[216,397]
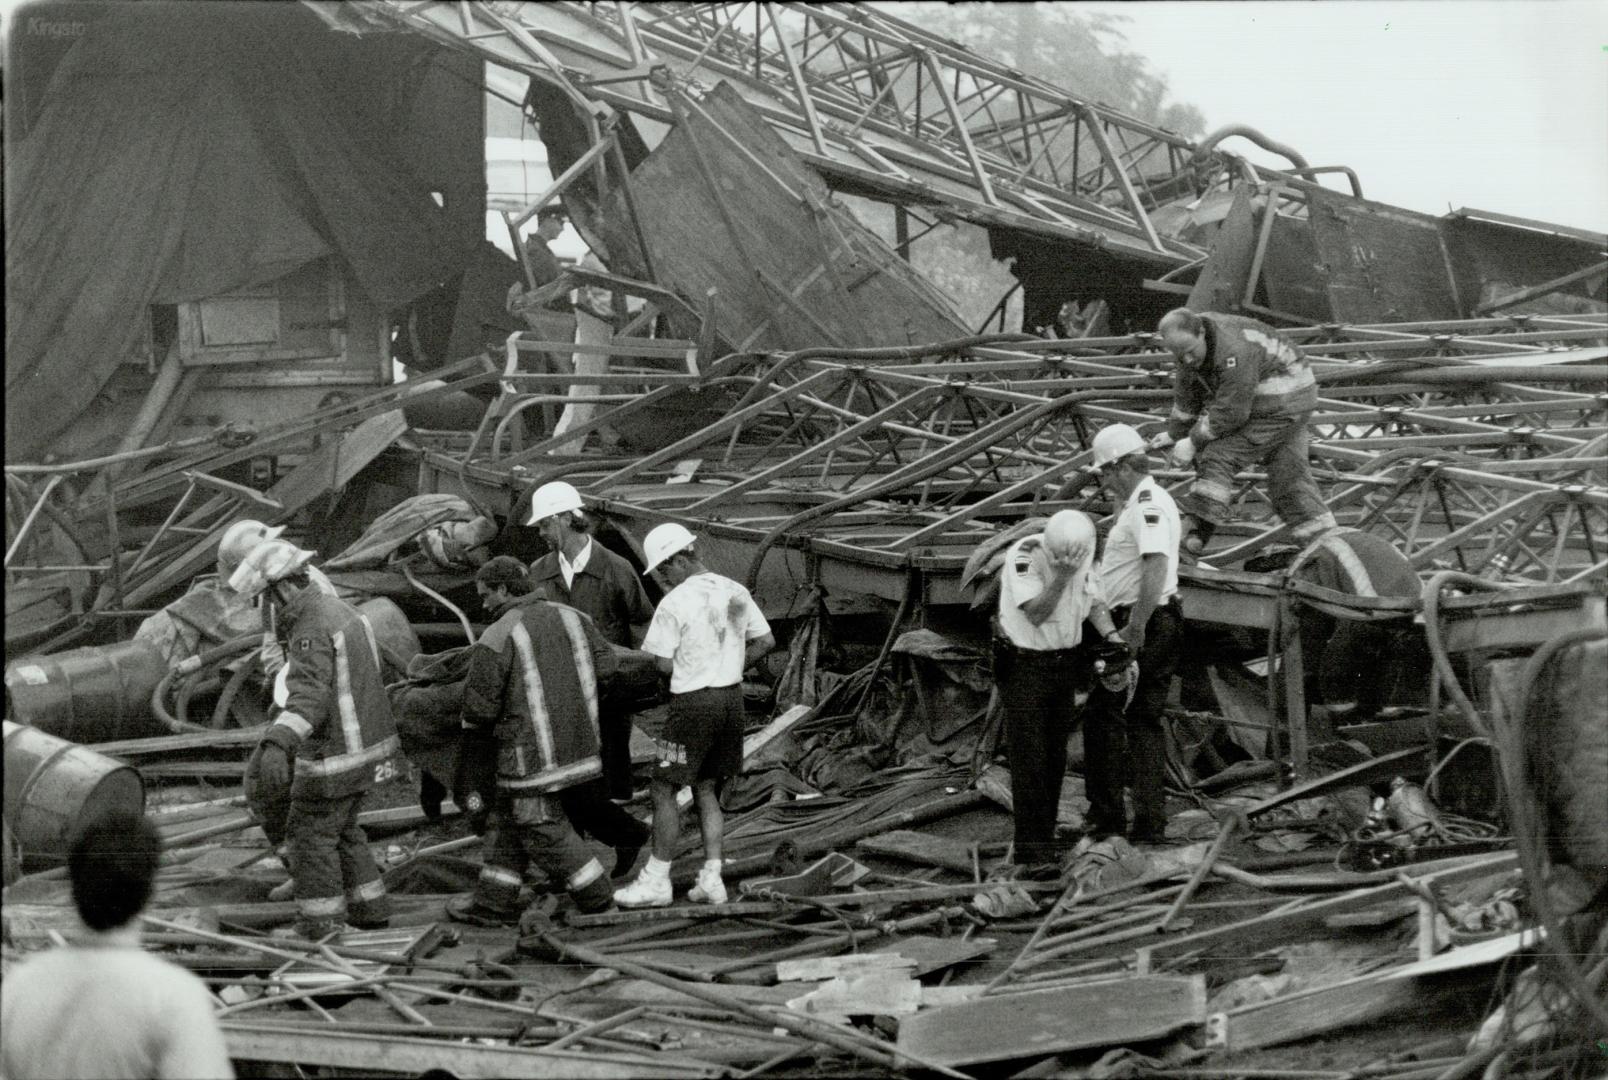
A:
[875,104]
[921,461]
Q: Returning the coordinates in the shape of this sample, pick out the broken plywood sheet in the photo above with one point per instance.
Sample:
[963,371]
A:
[1384,264]
[918,847]
[726,204]
[1044,1022]
[930,954]
[1221,284]
[340,457]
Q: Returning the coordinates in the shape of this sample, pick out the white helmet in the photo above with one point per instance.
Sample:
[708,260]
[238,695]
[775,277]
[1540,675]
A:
[554,498]
[664,541]
[268,562]
[1070,533]
[1115,441]
[238,540]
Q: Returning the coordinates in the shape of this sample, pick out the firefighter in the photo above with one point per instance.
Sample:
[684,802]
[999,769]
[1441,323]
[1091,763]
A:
[1241,397]
[531,692]
[582,573]
[1350,663]
[336,724]
[1123,738]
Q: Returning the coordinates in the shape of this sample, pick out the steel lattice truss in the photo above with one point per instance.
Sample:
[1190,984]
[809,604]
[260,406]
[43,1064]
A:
[875,104]
[1479,446]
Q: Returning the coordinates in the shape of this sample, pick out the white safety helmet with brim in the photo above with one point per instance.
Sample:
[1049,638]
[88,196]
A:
[268,562]
[664,541]
[1114,442]
[553,498]
[239,539]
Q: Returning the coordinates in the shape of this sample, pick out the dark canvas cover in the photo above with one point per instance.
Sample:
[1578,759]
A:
[184,151]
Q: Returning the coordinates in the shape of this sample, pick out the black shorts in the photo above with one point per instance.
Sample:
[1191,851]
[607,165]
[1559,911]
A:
[702,737]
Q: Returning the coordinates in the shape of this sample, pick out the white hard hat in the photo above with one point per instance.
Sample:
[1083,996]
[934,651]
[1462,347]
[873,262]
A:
[554,498]
[239,539]
[1070,533]
[268,562]
[1115,441]
[664,541]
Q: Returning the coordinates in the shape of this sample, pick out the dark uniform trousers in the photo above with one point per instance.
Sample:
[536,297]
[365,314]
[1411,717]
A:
[1129,745]
[594,814]
[1037,692]
[331,861]
[535,829]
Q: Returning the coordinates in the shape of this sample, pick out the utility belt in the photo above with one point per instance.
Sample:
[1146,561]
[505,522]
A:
[1173,603]
[1005,645]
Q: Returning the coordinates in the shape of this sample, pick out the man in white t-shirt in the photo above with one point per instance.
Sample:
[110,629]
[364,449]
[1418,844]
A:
[1047,591]
[1123,737]
[103,1006]
[705,631]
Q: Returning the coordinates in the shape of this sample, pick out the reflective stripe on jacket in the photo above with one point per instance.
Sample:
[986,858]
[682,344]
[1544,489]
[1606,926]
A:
[1358,563]
[1250,370]
[337,712]
[533,678]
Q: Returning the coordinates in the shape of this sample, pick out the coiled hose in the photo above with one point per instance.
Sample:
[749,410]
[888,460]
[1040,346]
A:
[188,672]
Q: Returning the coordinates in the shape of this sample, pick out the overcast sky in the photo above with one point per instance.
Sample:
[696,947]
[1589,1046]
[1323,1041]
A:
[1493,104]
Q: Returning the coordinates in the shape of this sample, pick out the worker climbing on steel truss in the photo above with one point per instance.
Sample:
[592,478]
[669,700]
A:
[530,704]
[336,723]
[1242,394]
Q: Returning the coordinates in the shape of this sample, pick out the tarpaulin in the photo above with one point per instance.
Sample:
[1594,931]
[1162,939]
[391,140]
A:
[185,151]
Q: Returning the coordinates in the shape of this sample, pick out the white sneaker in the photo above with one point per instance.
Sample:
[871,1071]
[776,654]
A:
[709,889]
[645,892]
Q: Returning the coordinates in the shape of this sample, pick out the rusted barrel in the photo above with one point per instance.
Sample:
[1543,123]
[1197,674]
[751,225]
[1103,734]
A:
[90,695]
[53,785]
[393,633]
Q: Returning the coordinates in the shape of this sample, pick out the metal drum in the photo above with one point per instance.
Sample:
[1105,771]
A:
[392,632]
[91,695]
[52,786]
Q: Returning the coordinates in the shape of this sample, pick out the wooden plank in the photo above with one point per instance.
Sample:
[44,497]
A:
[916,847]
[931,954]
[336,461]
[1040,1023]
[835,967]
[303,1045]
[1356,1001]
[190,740]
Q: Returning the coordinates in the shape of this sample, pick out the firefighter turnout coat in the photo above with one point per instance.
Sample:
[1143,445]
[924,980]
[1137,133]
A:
[337,718]
[533,682]
[1250,371]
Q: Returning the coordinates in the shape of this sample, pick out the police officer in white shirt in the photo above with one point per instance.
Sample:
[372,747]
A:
[1047,591]
[1138,578]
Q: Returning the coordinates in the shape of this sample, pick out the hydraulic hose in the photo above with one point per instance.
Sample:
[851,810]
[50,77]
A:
[1437,648]
[226,651]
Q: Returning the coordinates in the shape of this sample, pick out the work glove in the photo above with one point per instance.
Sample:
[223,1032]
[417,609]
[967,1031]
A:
[273,767]
[1160,441]
[1183,452]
